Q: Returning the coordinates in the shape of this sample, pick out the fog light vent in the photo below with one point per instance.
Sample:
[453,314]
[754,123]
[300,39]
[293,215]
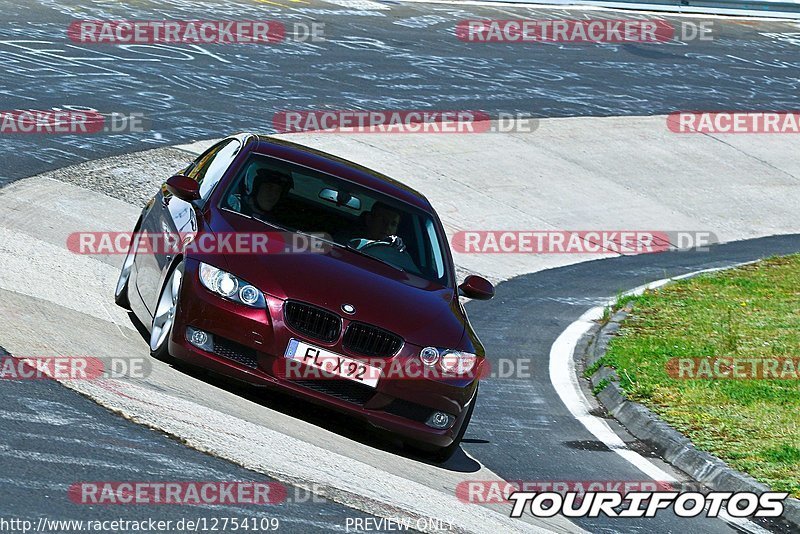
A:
[200,339]
[440,420]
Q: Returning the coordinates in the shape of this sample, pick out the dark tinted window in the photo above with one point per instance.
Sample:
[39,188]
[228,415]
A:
[300,199]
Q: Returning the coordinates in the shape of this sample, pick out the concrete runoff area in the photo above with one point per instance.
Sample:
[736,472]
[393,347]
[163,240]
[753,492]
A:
[586,174]
[571,174]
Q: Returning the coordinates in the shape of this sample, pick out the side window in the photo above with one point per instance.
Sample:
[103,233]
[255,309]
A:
[208,169]
[438,259]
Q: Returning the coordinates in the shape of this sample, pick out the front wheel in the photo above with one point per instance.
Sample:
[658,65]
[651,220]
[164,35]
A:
[164,316]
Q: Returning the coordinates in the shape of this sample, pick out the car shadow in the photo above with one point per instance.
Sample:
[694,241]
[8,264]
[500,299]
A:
[140,327]
[326,418]
[314,414]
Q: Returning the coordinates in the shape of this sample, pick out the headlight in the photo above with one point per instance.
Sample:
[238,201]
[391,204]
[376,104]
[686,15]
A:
[429,356]
[452,362]
[456,362]
[231,287]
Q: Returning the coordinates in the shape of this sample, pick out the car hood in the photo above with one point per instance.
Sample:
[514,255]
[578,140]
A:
[421,312]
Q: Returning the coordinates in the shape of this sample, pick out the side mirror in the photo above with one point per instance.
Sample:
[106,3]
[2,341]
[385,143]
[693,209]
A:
[476,287]
[183,187]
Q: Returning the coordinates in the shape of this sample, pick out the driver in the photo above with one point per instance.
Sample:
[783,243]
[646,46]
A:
[381,224]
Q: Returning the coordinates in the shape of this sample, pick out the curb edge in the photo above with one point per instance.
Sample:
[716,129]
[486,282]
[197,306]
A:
[674,447]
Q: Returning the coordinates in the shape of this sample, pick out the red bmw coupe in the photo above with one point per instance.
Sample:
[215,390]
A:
[369,323]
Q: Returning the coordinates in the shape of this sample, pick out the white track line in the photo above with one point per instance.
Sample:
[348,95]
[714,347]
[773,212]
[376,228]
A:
[565,381]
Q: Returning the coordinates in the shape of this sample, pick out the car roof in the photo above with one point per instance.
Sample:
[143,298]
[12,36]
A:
[339,167]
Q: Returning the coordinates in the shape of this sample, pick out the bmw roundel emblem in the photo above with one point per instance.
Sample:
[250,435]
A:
[349,309]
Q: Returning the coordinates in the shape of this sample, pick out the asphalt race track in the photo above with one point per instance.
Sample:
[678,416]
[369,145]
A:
[376,56]
[179,423]
[75,435]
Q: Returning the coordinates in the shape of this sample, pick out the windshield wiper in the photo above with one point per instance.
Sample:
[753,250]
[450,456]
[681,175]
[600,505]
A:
[285,228]
[270,223]
[329,241]
[362,253]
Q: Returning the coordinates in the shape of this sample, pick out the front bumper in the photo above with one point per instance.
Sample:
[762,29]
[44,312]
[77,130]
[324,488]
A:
[249,346]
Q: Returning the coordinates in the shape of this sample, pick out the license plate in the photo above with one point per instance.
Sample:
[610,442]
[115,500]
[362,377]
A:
[332,365]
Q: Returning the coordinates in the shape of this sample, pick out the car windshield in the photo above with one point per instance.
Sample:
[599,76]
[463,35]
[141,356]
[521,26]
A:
[367,222]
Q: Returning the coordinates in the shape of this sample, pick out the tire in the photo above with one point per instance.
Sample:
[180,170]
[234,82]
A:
[164,315]
[444,454]
[121,292]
